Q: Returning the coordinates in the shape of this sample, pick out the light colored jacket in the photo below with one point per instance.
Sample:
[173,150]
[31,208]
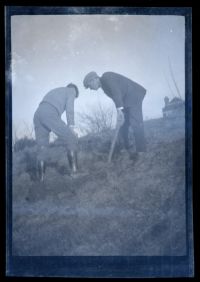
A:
[62,98]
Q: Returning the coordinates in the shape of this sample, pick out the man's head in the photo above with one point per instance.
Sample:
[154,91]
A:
[92,81]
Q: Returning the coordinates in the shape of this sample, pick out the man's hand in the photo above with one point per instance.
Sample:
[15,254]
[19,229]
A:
[74,130]
[120,117]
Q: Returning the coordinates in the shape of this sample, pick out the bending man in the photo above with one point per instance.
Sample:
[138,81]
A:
[47,118]
[128,97]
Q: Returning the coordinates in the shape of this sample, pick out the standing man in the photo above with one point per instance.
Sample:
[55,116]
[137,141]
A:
[47,118]
[128,97]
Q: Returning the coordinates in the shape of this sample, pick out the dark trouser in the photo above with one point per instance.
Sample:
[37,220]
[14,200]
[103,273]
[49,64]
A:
[47,119]
[134,119]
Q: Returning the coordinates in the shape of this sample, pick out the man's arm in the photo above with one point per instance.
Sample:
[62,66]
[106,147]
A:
[112,90]
[117,99]
[70,106]
[116,96]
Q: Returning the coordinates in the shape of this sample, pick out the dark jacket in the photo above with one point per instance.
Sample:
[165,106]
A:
[123,91]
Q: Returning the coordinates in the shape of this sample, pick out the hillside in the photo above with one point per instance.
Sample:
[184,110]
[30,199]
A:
[114,209]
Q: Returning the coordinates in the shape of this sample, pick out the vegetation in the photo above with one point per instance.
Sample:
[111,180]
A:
[122,208]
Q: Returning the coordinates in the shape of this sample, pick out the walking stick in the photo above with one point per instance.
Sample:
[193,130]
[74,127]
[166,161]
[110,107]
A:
[113,143]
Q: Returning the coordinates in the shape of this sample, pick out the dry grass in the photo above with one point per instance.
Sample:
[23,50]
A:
[115,209]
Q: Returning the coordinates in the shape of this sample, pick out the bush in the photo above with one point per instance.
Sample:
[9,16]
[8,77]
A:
[22,143]
[97,121]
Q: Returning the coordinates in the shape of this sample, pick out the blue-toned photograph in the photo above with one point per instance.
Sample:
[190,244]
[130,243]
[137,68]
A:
[98,134]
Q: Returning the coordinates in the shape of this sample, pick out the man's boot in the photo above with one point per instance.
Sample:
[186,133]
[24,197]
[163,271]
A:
[134,156]
[72,158]
[41,170]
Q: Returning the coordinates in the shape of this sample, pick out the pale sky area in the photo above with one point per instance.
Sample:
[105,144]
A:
[50,51]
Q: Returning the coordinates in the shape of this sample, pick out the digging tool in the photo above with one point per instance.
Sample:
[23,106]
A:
[41,170]
[113,142]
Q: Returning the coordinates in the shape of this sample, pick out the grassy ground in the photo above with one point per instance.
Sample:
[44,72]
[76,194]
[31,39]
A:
[122,208]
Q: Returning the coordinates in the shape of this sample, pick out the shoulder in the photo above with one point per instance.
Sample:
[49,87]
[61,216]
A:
[108,77]
[108,74]
[58,89]
[54,91]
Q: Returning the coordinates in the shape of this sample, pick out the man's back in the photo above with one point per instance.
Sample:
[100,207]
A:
[58,98]
[121,89]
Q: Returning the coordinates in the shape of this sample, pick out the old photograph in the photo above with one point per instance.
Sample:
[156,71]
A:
[99,135]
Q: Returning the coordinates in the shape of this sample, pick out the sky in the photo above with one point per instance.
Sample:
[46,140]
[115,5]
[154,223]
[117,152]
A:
[50,51]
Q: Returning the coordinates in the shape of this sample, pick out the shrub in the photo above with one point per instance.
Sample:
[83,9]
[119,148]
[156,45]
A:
[22,143]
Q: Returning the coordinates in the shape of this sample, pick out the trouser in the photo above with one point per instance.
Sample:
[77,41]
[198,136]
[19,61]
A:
[134,119]
[47,119]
